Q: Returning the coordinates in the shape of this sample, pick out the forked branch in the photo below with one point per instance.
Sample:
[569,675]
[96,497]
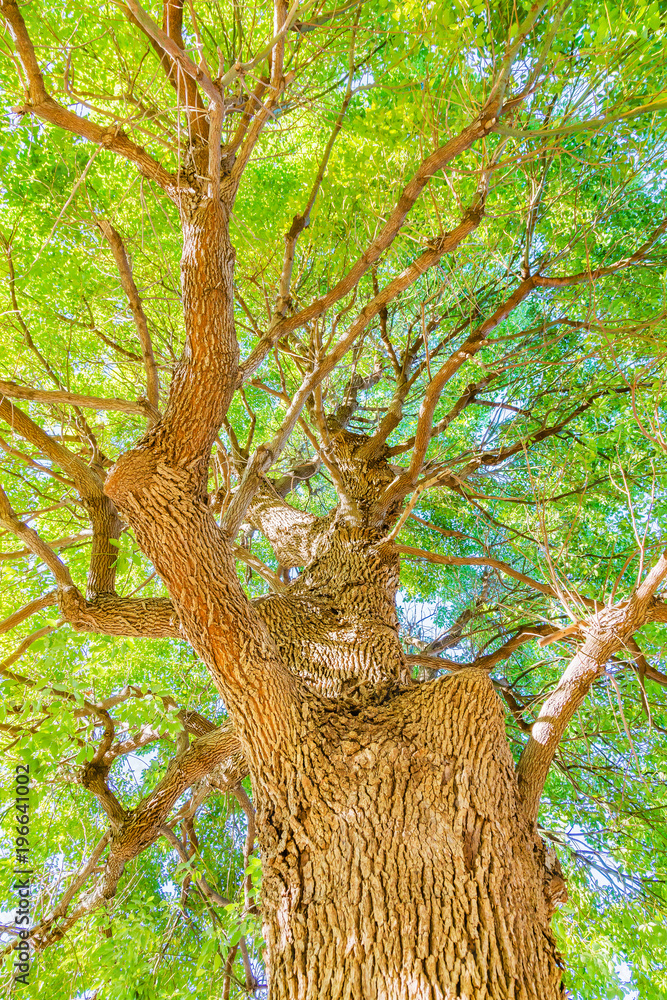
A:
[605,634]
[43,106]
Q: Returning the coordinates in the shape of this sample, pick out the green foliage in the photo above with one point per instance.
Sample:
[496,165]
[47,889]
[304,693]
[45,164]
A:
[573,507]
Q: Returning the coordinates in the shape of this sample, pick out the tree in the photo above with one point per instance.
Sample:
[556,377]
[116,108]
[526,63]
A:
[463,319]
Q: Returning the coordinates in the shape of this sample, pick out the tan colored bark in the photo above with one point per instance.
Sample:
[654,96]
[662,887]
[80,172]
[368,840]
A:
[400,858]
[47,601]
[33,542]
[487,660]
[160,487]
[336,627]
[15,391]
[139,316]
[400,862]
[109,614]
[184,85]
[294,534]
[216,754]
[604,635]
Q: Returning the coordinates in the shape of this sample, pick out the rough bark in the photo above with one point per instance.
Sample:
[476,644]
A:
[400,862]
[161,488]
[336,627]
[604,635]
[293,534]
[398,858]
[109,614]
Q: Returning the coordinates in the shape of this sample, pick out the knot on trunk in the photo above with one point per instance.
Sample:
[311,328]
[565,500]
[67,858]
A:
[131,475]
[365,472]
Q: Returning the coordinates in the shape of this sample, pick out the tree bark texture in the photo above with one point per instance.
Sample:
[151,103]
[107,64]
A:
[398,858]
[400,862]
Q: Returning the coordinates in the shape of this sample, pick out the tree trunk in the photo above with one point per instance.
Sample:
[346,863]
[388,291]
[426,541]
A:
[397,856]
[399,863]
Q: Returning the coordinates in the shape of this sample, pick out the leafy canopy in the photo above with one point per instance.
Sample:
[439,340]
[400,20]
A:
[552,463]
